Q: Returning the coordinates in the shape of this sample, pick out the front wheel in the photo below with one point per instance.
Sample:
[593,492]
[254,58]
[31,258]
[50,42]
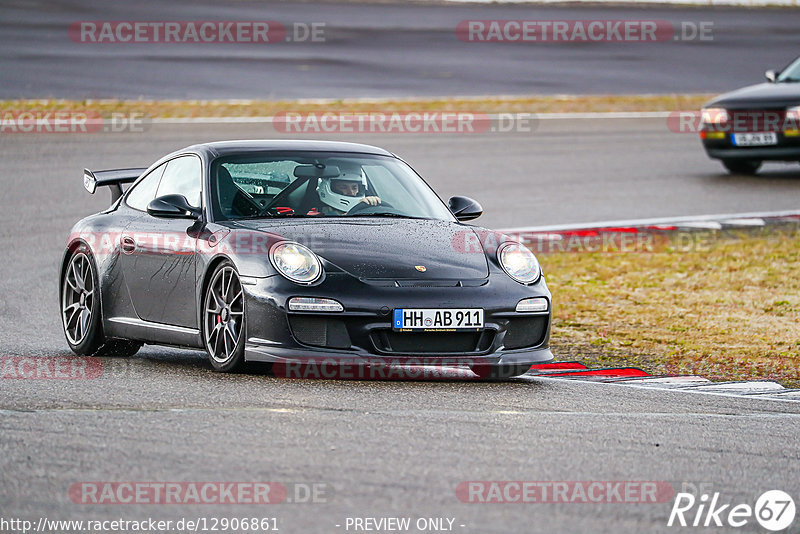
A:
[747,166]
[223,319]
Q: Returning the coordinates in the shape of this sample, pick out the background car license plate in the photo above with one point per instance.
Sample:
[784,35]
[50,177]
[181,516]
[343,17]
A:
[437,318]
[755,139]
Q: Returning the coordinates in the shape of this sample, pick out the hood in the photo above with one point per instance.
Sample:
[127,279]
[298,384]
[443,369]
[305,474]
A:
[760,96]
[385,248]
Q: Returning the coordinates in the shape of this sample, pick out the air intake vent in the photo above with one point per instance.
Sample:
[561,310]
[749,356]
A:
[527,332]
[320,331]
[428,283]
[433,343]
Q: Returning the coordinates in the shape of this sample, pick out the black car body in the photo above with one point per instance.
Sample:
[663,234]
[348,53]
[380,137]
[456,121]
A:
[758,123]
[175,273]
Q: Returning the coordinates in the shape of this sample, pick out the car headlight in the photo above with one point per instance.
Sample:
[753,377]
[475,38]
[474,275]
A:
[518,262]
[715,116]
[793,114]
[295,262]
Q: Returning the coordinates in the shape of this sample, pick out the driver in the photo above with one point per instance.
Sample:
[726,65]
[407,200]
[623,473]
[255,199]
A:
[341,193]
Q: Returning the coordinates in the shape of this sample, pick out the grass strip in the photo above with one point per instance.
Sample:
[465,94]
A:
[261,108]
[722,305]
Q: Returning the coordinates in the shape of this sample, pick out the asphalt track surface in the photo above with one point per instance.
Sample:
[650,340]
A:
[382,448]
[380,49]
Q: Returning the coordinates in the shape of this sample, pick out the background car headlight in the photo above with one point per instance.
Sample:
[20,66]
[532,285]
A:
[296,262]
[715,116]
[518,262]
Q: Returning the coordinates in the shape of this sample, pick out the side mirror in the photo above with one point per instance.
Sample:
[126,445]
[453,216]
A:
[172,207]
[771,75]
[464,208]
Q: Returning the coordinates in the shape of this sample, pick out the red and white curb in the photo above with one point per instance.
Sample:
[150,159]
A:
[664,224]
[633,376]
[763,389]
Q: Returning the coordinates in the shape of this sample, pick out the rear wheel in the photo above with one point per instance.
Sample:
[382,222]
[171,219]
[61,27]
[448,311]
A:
[223,319]
[747,166]
[80,311]
[80,307]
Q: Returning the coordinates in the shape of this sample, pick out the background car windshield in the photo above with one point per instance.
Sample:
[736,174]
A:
[791,73]
[288,184]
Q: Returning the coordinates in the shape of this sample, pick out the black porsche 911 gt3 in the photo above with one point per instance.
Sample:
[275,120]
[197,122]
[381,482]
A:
[290,251]
[754,124]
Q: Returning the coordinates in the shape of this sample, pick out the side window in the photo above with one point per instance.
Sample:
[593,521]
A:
[142,193]
[182,177]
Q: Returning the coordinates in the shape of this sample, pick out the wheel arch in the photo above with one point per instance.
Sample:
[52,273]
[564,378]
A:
[74,245]
[209,270]
[69,252]
[236,359]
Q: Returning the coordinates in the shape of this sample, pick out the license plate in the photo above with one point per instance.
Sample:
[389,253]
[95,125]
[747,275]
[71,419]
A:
[755,139]
[437,319]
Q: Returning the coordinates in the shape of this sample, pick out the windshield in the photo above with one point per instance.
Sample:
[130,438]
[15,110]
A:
[790,73]
[311,184]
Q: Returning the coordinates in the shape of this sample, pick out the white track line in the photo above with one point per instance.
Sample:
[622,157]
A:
[703,225]
[213,120]
[743,387]
[775,396]
[667,381]
[727,218]
[648,3]
[606,115]
[492,116]
[744,222]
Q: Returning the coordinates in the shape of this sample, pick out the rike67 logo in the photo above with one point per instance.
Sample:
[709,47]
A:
[774,510]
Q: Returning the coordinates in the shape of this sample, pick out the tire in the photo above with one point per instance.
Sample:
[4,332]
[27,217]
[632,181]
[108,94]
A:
[80,305]
[81,315]
[748,167]
[224,323]
[500,372]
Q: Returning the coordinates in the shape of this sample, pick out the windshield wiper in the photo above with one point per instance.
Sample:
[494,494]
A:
[268,215]
[383,214]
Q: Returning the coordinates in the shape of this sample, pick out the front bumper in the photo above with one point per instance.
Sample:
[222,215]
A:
[363,332]
[787,149]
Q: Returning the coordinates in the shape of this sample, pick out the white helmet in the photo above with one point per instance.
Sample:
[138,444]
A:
[337,200]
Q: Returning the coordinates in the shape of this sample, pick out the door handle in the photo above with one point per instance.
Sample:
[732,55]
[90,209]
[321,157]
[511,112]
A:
[127,244]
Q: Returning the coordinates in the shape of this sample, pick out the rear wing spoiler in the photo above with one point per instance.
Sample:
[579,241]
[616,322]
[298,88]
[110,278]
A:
[113,179]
